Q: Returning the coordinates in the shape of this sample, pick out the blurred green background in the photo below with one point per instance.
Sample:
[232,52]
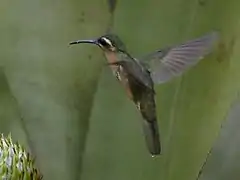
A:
[68,109]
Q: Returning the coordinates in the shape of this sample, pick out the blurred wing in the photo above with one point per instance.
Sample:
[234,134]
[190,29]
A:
[173,61]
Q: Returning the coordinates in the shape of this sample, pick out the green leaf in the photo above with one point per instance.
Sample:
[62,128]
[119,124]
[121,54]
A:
[223,159]
[190,108]
[10,115]
[53,84]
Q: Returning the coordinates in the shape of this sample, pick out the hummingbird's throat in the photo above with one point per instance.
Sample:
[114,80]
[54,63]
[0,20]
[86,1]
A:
[108,49]
[112,58]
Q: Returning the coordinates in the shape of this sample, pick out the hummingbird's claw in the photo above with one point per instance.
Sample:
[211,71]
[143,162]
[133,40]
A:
[139,106]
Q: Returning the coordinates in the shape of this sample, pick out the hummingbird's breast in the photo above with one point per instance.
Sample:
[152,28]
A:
[119,72]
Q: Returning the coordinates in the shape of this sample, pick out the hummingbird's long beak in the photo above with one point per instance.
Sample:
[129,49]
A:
[84,41]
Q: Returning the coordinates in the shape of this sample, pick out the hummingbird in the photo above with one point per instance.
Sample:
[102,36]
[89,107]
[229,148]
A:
[139,75]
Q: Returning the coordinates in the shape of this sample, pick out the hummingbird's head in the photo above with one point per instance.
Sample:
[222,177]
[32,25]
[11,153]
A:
[108,42]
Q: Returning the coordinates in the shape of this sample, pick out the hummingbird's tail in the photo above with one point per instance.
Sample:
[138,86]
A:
[150,129]
[146,105]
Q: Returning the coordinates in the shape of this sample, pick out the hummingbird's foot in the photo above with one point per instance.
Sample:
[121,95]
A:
[118,76]
[138,106]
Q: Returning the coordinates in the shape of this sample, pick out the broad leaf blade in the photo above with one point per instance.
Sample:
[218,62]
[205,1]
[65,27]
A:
[191,108]
[53,84]
[223,160]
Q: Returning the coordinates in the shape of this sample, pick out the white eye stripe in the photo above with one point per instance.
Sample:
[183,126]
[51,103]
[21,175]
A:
[107,41]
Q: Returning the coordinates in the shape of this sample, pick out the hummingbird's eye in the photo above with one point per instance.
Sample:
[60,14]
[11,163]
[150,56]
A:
[105,42]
